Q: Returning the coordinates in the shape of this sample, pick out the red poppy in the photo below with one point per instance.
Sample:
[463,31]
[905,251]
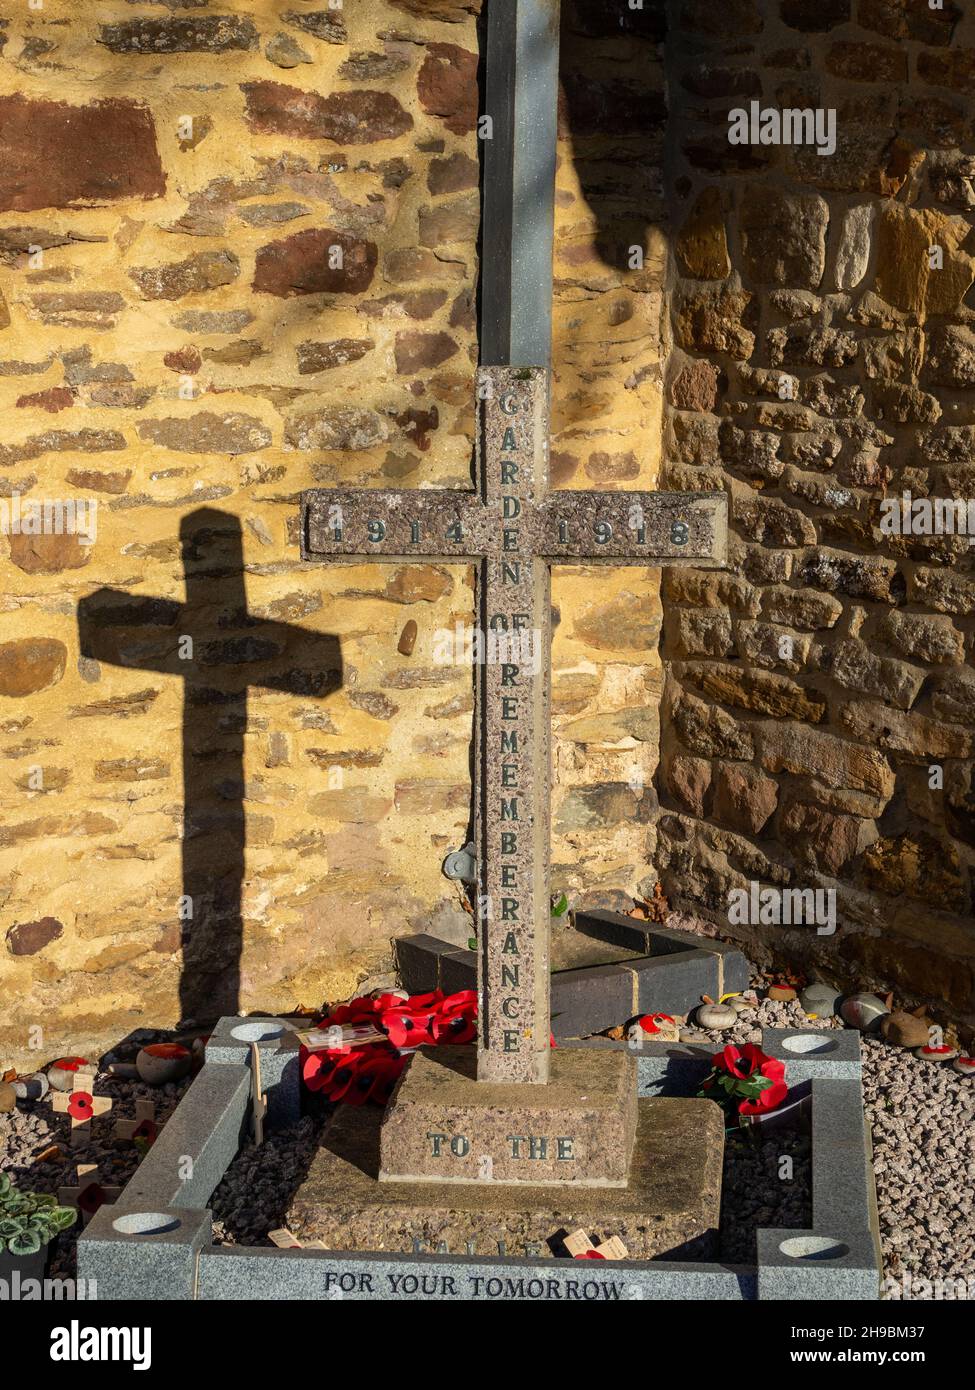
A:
[317,1068]
[375,1078]
[406,1029]
[649,1022]
[91,1199]
[768,1099]
[80,1106]
[146,1131]
[358,1072]
[171,1051]
[72,1063]
[747,1060]
[456,1021]
[589,1255]
[385,1077]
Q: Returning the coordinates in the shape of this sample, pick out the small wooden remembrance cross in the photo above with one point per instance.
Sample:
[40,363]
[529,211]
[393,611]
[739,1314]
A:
[89,1195]
[142,1127]
[81,1104]
[515,530]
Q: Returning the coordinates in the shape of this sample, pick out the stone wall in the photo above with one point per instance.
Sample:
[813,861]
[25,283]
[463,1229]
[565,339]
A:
[824,359]
[179,344]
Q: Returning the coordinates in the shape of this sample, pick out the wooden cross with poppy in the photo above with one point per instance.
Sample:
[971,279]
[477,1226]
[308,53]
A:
[143,1129]
[89,1195]
[81,1105]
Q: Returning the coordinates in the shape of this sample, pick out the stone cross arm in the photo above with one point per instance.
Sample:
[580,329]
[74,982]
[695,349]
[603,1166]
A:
[612,528]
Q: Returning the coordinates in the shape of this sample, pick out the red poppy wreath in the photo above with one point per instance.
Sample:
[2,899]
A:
[355,1074]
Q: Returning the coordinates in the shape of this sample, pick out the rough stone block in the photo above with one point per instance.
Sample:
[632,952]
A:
[443,1126]
[669,1207]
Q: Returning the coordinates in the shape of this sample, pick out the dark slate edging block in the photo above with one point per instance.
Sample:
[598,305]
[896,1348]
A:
[241,1273]
[676,969]
[590,999]
[673,983]
[734,971]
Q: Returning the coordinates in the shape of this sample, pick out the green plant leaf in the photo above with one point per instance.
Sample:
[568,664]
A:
[560,908]
[27,1244]
[5,1184]
[63,1217]
[45,1199]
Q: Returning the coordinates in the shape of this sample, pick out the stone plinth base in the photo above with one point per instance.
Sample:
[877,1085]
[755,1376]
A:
[444,1126]
[669,1207]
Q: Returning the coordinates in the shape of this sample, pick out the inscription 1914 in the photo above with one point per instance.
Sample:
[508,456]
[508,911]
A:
[515,529]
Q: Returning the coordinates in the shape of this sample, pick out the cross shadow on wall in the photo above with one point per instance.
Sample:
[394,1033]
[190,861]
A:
[613,113]
[232,650]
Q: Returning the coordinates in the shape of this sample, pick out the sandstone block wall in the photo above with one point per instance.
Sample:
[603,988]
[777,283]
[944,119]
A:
[813,689]
[177,345]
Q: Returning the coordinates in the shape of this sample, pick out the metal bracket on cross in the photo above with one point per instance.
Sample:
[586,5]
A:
[82,1105]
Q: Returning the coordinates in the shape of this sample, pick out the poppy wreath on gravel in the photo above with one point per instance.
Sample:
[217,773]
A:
[744,1081]
[353,1074]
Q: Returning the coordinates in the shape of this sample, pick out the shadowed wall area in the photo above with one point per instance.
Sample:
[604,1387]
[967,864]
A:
[821,694]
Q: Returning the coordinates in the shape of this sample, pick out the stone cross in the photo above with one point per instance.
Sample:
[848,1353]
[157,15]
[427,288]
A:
[81,1104]
[515,530]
